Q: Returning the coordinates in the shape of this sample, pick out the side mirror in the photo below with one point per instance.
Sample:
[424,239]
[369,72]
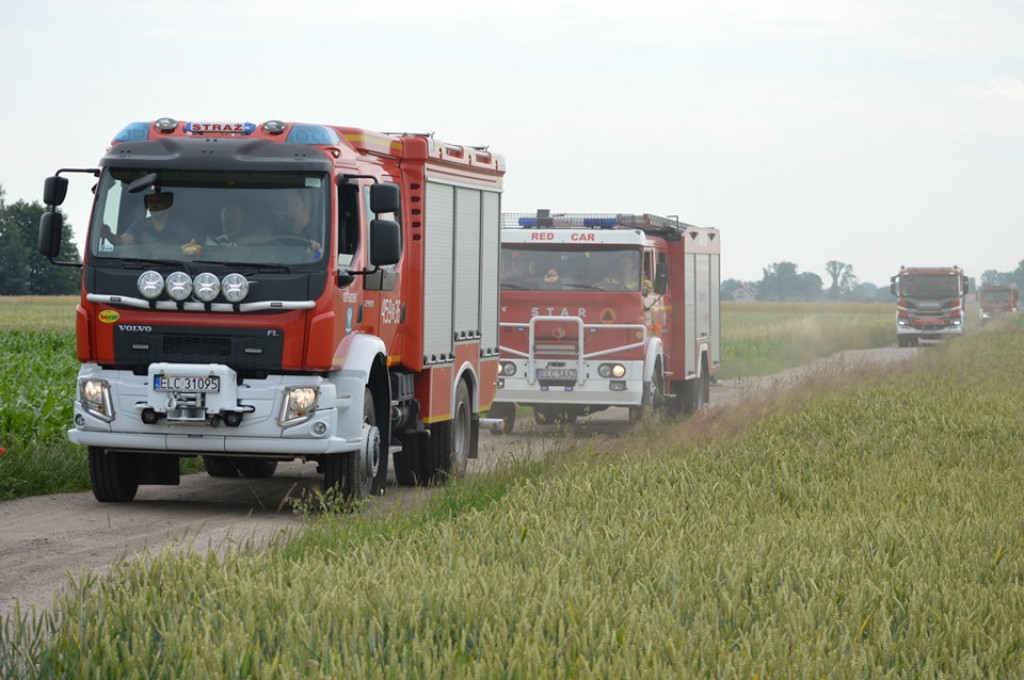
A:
[51,224]
[967,288]
[385,243]
[55,190]
[385,197]
[892,287]
[661,281]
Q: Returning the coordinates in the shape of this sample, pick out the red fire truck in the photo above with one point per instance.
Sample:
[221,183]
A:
[606,310]
[996,300]
[929,303]
[316,293]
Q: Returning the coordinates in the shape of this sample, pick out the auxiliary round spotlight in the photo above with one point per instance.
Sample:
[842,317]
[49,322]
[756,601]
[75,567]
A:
[179,286]
[150,284]
[206,287]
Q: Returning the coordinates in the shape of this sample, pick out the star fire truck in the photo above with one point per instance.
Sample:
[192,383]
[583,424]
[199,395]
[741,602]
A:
[929,303]
[996,301]
[606,310]
[361,324]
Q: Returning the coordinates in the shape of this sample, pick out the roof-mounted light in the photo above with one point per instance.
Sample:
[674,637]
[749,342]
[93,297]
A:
[316,135]
[133,132]
[274,127]
[571,221]
[166,124]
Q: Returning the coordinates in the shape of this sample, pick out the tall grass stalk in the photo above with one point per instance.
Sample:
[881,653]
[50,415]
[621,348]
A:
[872,529]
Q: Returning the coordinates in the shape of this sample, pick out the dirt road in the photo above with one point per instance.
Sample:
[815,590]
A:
[46,540]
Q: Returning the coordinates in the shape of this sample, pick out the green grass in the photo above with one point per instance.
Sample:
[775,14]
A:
[863,528]
[761,338]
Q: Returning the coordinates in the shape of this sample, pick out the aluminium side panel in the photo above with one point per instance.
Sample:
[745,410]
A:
[690,316]
[438,277]
[467,264]
[490,244]
[715,290]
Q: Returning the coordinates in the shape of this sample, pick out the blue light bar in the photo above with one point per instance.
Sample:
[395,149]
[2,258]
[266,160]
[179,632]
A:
[588,222]
[133,132]
[317,135]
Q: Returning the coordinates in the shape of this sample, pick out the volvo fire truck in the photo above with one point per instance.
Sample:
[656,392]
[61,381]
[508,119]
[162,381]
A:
[349,313]
[606,310]
[996,301]
[929,303]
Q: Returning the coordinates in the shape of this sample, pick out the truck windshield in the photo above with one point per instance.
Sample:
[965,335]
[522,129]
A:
[548,269]
[252,218]
[930,286]
[995,295]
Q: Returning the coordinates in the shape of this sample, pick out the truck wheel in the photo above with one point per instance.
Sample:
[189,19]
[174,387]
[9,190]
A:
[462,432]
[218,466]
[353,472]
[233,466]
[639,413]
[256,468]
[692,395]
[407,461]
[113,475]
[450,441]
[544,415]
[507,413]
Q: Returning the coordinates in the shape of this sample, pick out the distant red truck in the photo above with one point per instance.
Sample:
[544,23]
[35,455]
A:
[996,301]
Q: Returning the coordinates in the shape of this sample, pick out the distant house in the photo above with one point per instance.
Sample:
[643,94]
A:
[744,293]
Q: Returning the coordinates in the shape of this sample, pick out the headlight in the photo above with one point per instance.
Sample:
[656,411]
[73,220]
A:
[611,370]
[234,287]
[179,286]
[95,398]
[150,284]
[206,287]
[508,368]
[299,404]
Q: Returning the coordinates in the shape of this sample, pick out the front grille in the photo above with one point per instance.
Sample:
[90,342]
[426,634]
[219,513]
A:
[251,352]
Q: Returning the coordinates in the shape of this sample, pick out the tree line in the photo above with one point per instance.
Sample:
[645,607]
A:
[23,270]
[783,281]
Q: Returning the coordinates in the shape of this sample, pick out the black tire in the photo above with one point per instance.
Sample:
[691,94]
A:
[234,466]
[544,415]
[651,400]
[450,441]
[692,395]
[638,414]
[347,470]
[407,461]
[256,468]
[219,466]
[114,475]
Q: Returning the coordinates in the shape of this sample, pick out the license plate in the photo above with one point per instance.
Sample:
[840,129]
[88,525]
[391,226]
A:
[186,383]
[556,373]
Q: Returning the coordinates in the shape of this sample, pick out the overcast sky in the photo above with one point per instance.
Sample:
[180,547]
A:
[873,132]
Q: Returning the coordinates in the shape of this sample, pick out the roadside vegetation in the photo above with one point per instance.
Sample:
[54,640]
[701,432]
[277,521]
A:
[761,338]
[859,523]
[38,371]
